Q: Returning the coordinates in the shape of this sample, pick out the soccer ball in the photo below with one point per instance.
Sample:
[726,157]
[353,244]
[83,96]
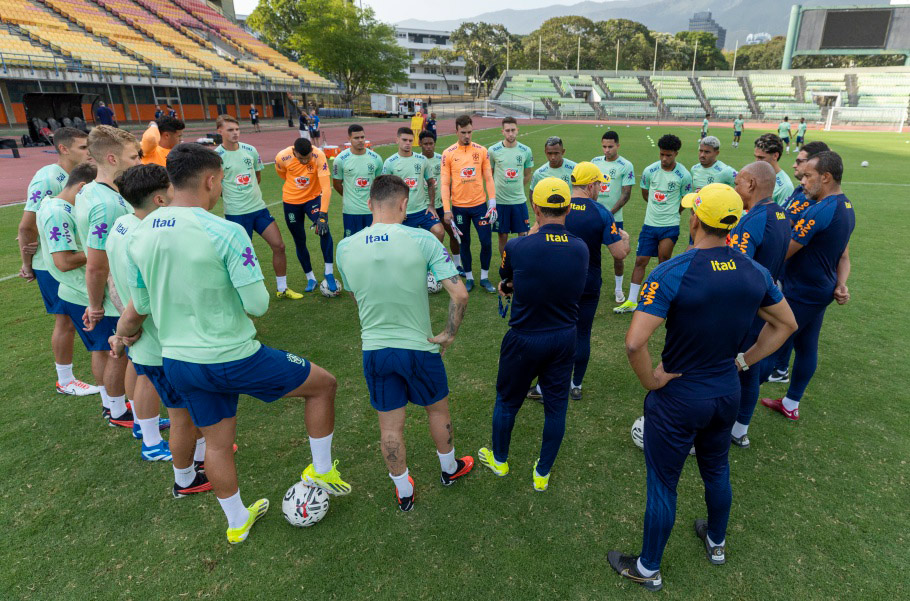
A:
[326,292]
[638,432]
[433,285]
[304,505]
[865,163]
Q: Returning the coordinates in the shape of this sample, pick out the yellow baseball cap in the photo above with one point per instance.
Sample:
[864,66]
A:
[586,173]
[552,192]
[716,205]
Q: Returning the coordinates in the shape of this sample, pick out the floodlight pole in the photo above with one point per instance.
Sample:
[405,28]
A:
[508,49]
[694,57]
[654,67]
[539,52]
[616,69]
[578,58]
[735,50]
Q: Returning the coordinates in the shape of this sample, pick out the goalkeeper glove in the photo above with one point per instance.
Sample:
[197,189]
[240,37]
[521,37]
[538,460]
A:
[491,215]
[322,224]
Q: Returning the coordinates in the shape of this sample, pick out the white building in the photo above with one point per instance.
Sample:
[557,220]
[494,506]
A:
[429,79]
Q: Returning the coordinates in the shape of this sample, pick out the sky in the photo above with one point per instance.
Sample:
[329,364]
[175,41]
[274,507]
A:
[393,11]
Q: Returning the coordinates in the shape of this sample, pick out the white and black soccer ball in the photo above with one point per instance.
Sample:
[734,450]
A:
[865,163]
[326,292]
[304,505]
[433,285]
[638,432]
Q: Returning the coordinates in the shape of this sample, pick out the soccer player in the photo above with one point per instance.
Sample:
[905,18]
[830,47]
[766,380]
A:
[385,267]
[315,133]
[709,169]
[513,164]
[763,233]
[161,135]
[801,133]
[704,127]
[428,149]
[242,197]
[469,196]
[737,130]
[594,225]
[188,261]
[98,206]
[817,268]
[707,298]
[72,149]
[307,192]
[783,132]
[663,184]
[430,125]
[147,187]
[254,118]
[769,148]
[619,173]
[545,275]
[415,171]
[556,166]
[353,172]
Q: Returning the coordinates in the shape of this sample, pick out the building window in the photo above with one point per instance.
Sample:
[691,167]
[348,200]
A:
[413,85]
[430,70]
[453,87]
[429,86]
[413,70]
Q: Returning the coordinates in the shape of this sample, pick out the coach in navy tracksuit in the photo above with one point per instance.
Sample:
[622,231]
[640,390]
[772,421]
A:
[817,268]
[708,297]
[594,224]
[763,234]
[545,274]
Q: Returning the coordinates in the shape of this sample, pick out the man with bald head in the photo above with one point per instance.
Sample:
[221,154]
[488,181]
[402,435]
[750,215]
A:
[764,235]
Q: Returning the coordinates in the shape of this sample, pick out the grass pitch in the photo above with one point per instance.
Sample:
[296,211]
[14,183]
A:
[820,506]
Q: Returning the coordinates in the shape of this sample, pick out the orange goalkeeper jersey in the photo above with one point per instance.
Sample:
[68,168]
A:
[303,183]
[464,170]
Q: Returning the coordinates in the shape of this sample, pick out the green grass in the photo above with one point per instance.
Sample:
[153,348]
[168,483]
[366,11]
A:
[820,506]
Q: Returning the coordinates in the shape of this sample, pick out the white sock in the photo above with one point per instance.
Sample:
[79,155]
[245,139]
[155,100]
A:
[118,405]
[574,385]
[329,269]
[712,543]
[199,455]
[235,511]
[64,374]
[790,404]
[310,275]
[321,448]
[633,292]
[151,435]
[484,274]
[456,259]
[403,485]
[105,399]
[184,477]
[739,430]
[469,276]
[447,461]
[618,280]
[641,569]
[282,282]
[537,387]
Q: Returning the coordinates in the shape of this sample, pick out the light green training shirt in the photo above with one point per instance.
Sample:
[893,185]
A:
[436,170]
[239,188]
[57,233]
[47,181]
[719,172]
[416,172]
[564,172]
[187,265]
[783,129]
[385,266]
[665,191]
[738,125]
[704,125]
[146,350]
[801,130]
[357,173]
[783,188]
[619,173]
[509,166]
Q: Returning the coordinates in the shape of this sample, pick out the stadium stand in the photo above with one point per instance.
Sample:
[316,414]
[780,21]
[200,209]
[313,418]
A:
[882,89]
[626,97]
[678,96]
[726,97]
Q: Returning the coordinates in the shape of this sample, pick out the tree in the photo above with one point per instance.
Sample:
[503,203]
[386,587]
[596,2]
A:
[483,47]
[442,59]
[767,55]
[558,39]
[636,45]
[709,57]
[336,38]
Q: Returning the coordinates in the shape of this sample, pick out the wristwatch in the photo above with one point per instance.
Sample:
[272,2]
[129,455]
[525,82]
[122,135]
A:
[741,361]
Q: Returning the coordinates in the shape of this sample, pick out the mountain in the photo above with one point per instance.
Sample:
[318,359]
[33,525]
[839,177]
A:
[739,17]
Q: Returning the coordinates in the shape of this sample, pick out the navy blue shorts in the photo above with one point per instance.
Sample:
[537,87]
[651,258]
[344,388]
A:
[421,219]
[355,223]
[96,340]
[799,139]
[395,376]
[512,219]
[166,392]
[737,134]
[441,214]
[649,239]
[212,390]
[785,140]
[48,287]
[465,215]
[256,221]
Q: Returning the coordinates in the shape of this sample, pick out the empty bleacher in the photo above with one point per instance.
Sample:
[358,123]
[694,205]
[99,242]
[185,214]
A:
[626,97]
[883,89]
[676,93]
[726,97]
[574,108]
